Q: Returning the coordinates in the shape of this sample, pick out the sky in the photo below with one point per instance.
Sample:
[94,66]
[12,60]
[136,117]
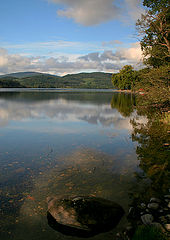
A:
[69,36]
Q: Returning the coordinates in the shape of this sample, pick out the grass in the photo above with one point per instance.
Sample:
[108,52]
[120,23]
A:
[148,233]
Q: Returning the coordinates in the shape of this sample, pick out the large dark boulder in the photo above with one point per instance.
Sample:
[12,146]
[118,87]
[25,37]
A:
[83,216]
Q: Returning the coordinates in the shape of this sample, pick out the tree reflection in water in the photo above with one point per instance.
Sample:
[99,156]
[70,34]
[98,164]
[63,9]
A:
[124,103]
[152,149]
[153,154]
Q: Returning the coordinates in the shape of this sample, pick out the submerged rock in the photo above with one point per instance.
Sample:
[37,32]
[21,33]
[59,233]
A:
[167,227]
[155,200]
[147,219]
[167,196]
[83,216]
[153,206]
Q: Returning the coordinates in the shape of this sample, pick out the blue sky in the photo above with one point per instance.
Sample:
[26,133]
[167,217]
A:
[68,36]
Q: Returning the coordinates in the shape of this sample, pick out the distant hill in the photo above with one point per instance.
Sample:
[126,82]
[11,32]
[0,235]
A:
[40,80]
[21,74]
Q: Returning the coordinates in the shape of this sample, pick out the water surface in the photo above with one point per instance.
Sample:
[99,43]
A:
[62,143]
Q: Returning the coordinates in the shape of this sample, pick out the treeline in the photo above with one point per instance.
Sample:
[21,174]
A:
[82,80]
[153,80]
[10,82]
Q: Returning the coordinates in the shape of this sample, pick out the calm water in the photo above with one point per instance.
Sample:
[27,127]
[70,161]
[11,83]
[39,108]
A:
[62,143]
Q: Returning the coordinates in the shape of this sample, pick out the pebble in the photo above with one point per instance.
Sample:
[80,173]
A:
[157,225]
[167,227]
[143,205]
[153,206]
[166,209]
[155,200]
[147,219]
[129,228]
[163,219]
[167,196]
[131,213]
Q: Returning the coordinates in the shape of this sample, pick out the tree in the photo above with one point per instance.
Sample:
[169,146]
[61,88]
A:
[154,27]
[156,5]
[125,79]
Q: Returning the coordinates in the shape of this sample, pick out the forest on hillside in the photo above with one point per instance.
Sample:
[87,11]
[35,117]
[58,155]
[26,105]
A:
[94,80]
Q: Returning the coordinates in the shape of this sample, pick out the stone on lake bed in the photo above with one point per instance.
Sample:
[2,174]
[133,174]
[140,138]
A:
[83,216]
[167,196]
[157,225]
[143,205]
[167,227]
[147,219]
[153,206]
[155,200]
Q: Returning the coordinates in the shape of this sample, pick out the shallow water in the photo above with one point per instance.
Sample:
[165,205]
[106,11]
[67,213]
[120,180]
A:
[62,143]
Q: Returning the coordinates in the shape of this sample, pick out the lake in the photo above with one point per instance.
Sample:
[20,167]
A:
[63,143]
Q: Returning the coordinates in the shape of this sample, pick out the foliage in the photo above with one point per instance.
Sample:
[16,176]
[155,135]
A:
[156,5]
[125,79]
[155,83]
[154,29]
[9,82]
[148,233]
[81,80]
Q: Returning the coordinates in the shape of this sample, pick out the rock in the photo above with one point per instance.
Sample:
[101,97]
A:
[83,216]
[162,219]
[155,200]
[143,205]
[129,228]
[147,219]
[153,206]
[169,204]
[167,227]
[168,217]
[132,213]
[118,234]
[157,225]
[167,196]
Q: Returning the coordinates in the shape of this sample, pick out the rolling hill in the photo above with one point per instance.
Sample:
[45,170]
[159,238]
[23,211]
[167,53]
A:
[96,80]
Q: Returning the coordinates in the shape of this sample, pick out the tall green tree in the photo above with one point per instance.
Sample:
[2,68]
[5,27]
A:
[125,79]
[154,27]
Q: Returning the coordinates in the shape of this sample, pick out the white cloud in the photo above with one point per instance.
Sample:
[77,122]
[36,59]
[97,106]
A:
[88,12]
[133,8]
[92,12]
[111,43]
[3,57]
[107,60]
[133,53]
